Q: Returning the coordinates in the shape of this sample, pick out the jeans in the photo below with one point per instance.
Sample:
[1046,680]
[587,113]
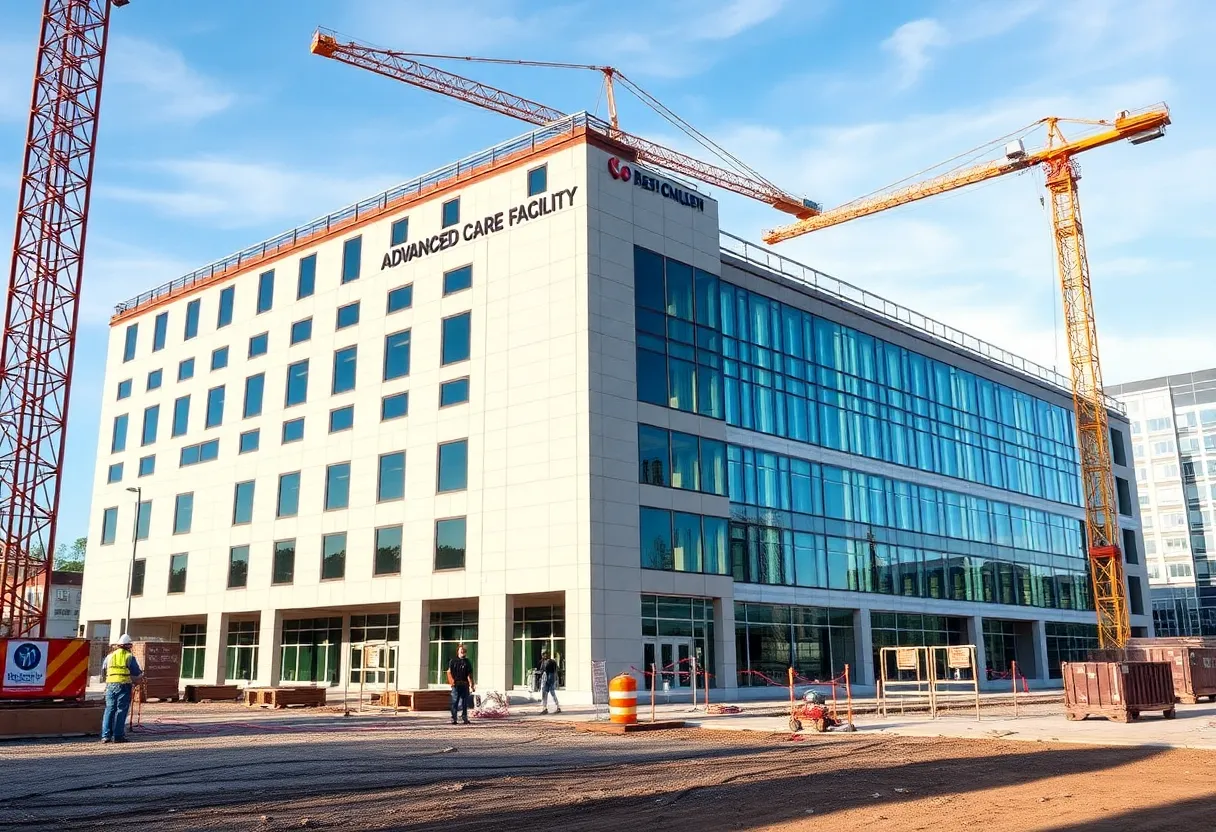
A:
[460,701]
[114,719]
[548,687]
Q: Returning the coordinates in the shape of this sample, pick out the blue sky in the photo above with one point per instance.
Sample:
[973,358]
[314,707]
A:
[219,129]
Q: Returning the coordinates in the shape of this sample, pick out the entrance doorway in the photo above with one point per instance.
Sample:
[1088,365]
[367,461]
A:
[673,656]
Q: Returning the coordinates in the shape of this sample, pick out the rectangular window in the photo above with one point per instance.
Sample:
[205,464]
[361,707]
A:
[538,180]
[399,231]
[293,430]
[337,486]
[397,355]
[265,291]
[143,520]
[284,562]
[352,254]
[306,283]
[109,525]
[400,298]
[192,310]
[453,466]
[456,338]
[654,456]
[341,418]
[185,369]
[1130,555]
[450,543]
[202,452]
[147,465]
[259,344]
[391,482]
[118,436]
[183,513]
[250,441]
[1124,492]
[388,551]
[242,503]
[394,406]
[215,407]
[297,384]
[177,574]
[301,331]
[219,358]
[114,473]
[151,423]
[160,331]
[345,367]
[452,392]
[255,386]
[181,416]
[138,570]
[124,389]
[130,339]
[347,315]
[238,567]
[227,295]
[333,556]
[289,495]
[154,379]
[451,212]
[1135,597]
[457,280]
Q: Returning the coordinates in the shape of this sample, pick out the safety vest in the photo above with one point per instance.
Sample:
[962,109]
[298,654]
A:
[117,670]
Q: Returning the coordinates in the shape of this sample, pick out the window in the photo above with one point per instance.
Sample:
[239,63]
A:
[337,486]
[109,525]
[259,344]
[1163,447]
[388,551]
[143,514]
[242,503]
[1179,570]
[457,280]
[456,336]
[451,212]
[183,513]
[289,495]
[452,392]
[333,556]
[1118,451]
[352,253]
[250,441]
[301,331]
[193,638]
[130,339]
[306,283]
[538,180]
[154,379]
[114,474]
[151,422]
[391,482]
[265,291]
[397,355]
[185,369]
[138,570]
[192,310]
[160,331]
[241,655]
[225,314]
[124,389]
[399,231]
[347,315]
[181,416]
[453,466]
[1129,546]
[284,562]
[215,407]
[1125,496]
[450,543]
[202,452]
[394,406]
[341,418]
[147,465]
[297,384]
[1155,425]
[118,436]
[254,388]
[238,567]
[293,430]
[400,298]
[345,366]
[219,358]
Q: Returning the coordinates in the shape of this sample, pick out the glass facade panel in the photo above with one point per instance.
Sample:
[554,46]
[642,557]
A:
[769,639]
[449,630]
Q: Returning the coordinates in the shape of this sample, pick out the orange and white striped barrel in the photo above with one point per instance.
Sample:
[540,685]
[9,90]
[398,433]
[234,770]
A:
[623,700]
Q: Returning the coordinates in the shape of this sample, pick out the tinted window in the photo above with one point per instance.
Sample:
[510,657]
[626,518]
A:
[538,179]
[397,355]
[177,574]
[130,339]
[348,315]
[250,441]
[342,418]
[401,298]
[451,212]
[160,329]
[399,231]
[388,551]
[454,466]
[215,407]
[301,330]
[144,514]
[238,567]
[242,503]
[390,484]
[118,435]
[181,415]
[154,379]
[293,430]
[147,465]
[114,474]
[192,310]
[337,485]
[185,369]
[306,283]
[219,358]
[258,345]
[284,562]
[345,369]
[456,332]
[457,279]
[254,388]
[394,407]
[225,314]
[450,543]
[297,384]
[352,251]
[183,513]
[138,570]
[289,495]
[454,392]
[265,291]
[333,556]
[124,389]
[151,423]
[109,525]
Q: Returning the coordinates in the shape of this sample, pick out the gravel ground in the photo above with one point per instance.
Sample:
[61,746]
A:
[226,768]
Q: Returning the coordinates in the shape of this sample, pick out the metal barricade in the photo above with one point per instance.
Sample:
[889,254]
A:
[928,677]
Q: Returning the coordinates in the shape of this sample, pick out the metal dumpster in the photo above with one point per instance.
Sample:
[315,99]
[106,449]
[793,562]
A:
[1120,691]
[1193,669]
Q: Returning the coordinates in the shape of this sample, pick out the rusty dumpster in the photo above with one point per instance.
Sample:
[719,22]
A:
[1120,690]
[161,662]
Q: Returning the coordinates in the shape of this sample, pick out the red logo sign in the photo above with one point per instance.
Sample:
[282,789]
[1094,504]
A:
[619,171]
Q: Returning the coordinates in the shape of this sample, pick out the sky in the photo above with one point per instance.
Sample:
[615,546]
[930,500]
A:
[220,129]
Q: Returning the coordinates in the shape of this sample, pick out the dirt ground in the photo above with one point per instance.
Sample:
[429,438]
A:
[231,769]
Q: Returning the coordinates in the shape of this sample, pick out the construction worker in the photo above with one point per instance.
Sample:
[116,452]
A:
[120,670]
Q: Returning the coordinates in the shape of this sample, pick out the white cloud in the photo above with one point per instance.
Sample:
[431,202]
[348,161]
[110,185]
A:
[115,272]
[159,85]
[733,18]
[911,44]
[16,64]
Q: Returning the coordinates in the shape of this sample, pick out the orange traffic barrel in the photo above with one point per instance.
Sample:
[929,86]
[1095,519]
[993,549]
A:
[623,700]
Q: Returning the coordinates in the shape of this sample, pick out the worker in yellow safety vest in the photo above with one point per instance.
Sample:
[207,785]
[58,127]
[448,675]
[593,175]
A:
[120,671]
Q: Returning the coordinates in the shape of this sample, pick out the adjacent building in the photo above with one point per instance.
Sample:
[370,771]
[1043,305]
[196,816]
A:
[1173,422]
[538,400]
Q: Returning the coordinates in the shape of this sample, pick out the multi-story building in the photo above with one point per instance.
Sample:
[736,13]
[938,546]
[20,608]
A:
[538,399]
[1173,421]
[63,611]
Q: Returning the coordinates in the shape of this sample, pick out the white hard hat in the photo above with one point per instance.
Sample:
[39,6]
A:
[124,640]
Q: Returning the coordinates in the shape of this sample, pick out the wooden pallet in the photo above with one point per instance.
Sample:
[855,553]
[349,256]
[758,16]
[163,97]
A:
[309,697]
[212,693]
[415,700]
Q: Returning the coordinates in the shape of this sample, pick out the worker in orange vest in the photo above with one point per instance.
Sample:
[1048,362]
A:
[120,671]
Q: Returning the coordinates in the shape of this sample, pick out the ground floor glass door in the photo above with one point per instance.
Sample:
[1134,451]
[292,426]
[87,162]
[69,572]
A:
[673,658]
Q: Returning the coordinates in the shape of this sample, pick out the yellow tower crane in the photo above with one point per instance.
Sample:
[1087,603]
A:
[1061,174]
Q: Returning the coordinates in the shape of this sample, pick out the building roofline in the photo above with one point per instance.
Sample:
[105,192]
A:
[1172,381]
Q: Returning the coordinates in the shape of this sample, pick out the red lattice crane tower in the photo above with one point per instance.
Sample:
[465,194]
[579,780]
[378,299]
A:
[43,299]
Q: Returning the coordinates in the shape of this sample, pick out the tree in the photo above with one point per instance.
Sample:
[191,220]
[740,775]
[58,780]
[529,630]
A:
[71,558]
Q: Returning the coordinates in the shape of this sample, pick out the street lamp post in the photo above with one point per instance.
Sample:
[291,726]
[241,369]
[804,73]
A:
[139,501]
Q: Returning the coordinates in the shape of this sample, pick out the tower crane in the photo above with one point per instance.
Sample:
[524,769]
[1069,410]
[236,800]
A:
[1061,175]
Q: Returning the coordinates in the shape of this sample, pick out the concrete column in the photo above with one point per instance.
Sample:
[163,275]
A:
[270,639]
[863,671]
[975,635]
[726,673]
[413,641]
[581,647]
[344,663]
[493,671]
[1042,668]
[216,651]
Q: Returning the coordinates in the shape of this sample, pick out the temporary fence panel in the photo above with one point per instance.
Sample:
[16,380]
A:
[955,680]
[599,688]
[932,677]
[910,684]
